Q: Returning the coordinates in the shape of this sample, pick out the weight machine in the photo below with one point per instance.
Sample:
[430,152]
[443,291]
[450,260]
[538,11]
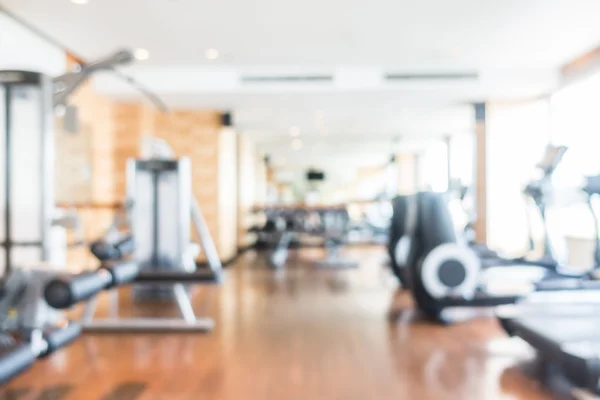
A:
[160,209]
[31,229]
[329,223]
[31,325]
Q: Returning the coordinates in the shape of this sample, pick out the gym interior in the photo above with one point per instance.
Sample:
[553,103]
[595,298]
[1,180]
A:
[299,200]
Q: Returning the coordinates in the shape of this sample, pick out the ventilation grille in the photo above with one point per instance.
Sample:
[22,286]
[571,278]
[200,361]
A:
[287,78]
[432,77]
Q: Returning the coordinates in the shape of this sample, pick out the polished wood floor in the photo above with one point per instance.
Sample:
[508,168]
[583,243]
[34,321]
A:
[294,334]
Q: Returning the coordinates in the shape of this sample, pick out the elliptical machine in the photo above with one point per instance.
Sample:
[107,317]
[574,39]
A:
[446,273]
[401,231]
[403,221]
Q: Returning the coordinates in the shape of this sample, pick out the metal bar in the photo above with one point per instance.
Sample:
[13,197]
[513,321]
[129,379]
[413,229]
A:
[149,325]
[163,276]
[184,304]
[155,216]
[21,244]
[338,263]
[212,256]
[7,179]
[46,166]
[448,142]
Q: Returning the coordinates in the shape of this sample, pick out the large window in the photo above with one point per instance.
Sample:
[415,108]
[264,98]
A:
[518,134]
[433,167]
[462,158]
[576,124]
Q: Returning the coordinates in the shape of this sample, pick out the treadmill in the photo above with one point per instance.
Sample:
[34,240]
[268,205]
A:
[561,321]
[567,345]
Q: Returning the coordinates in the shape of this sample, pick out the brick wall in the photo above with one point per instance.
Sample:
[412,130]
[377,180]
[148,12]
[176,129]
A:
[190,133]
[85,175]
[91,164]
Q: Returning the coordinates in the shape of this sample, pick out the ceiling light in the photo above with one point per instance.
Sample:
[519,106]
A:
[211,54]
[294,131]
[80,2]
[141,54]
[324,132]
[296,144]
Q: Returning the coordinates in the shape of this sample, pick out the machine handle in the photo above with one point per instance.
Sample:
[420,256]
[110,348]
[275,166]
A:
[106,250]
[65,291]
[15,362]
[122,272]
[125,246]
[61,337]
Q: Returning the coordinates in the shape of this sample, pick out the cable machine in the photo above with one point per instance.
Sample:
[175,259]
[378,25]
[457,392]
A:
[29,227]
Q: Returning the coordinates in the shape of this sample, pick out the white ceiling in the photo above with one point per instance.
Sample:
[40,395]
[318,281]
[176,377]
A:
[515,46]
[397,33]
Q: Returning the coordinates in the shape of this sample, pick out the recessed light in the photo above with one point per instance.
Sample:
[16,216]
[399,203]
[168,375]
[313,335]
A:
[141,54]
[294,131]
[80,2]
[297,144]
[211,54]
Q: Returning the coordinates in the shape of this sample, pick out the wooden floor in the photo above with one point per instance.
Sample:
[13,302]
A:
[298,333]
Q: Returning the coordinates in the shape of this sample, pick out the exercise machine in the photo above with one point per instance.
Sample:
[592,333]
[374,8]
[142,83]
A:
[32,230]
[448,274]
[31,323]
[401,231]
[329,223]
[560,321]
[538,191]
[160,212]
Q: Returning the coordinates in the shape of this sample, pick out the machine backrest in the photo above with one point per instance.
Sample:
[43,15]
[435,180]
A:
[161,215]
[397,224]
[433,226]
[434,221]
[398,215]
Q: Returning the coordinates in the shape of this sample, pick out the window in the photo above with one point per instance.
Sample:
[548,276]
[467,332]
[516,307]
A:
[576,124]
[433,167]
[518,134]
[462,158]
